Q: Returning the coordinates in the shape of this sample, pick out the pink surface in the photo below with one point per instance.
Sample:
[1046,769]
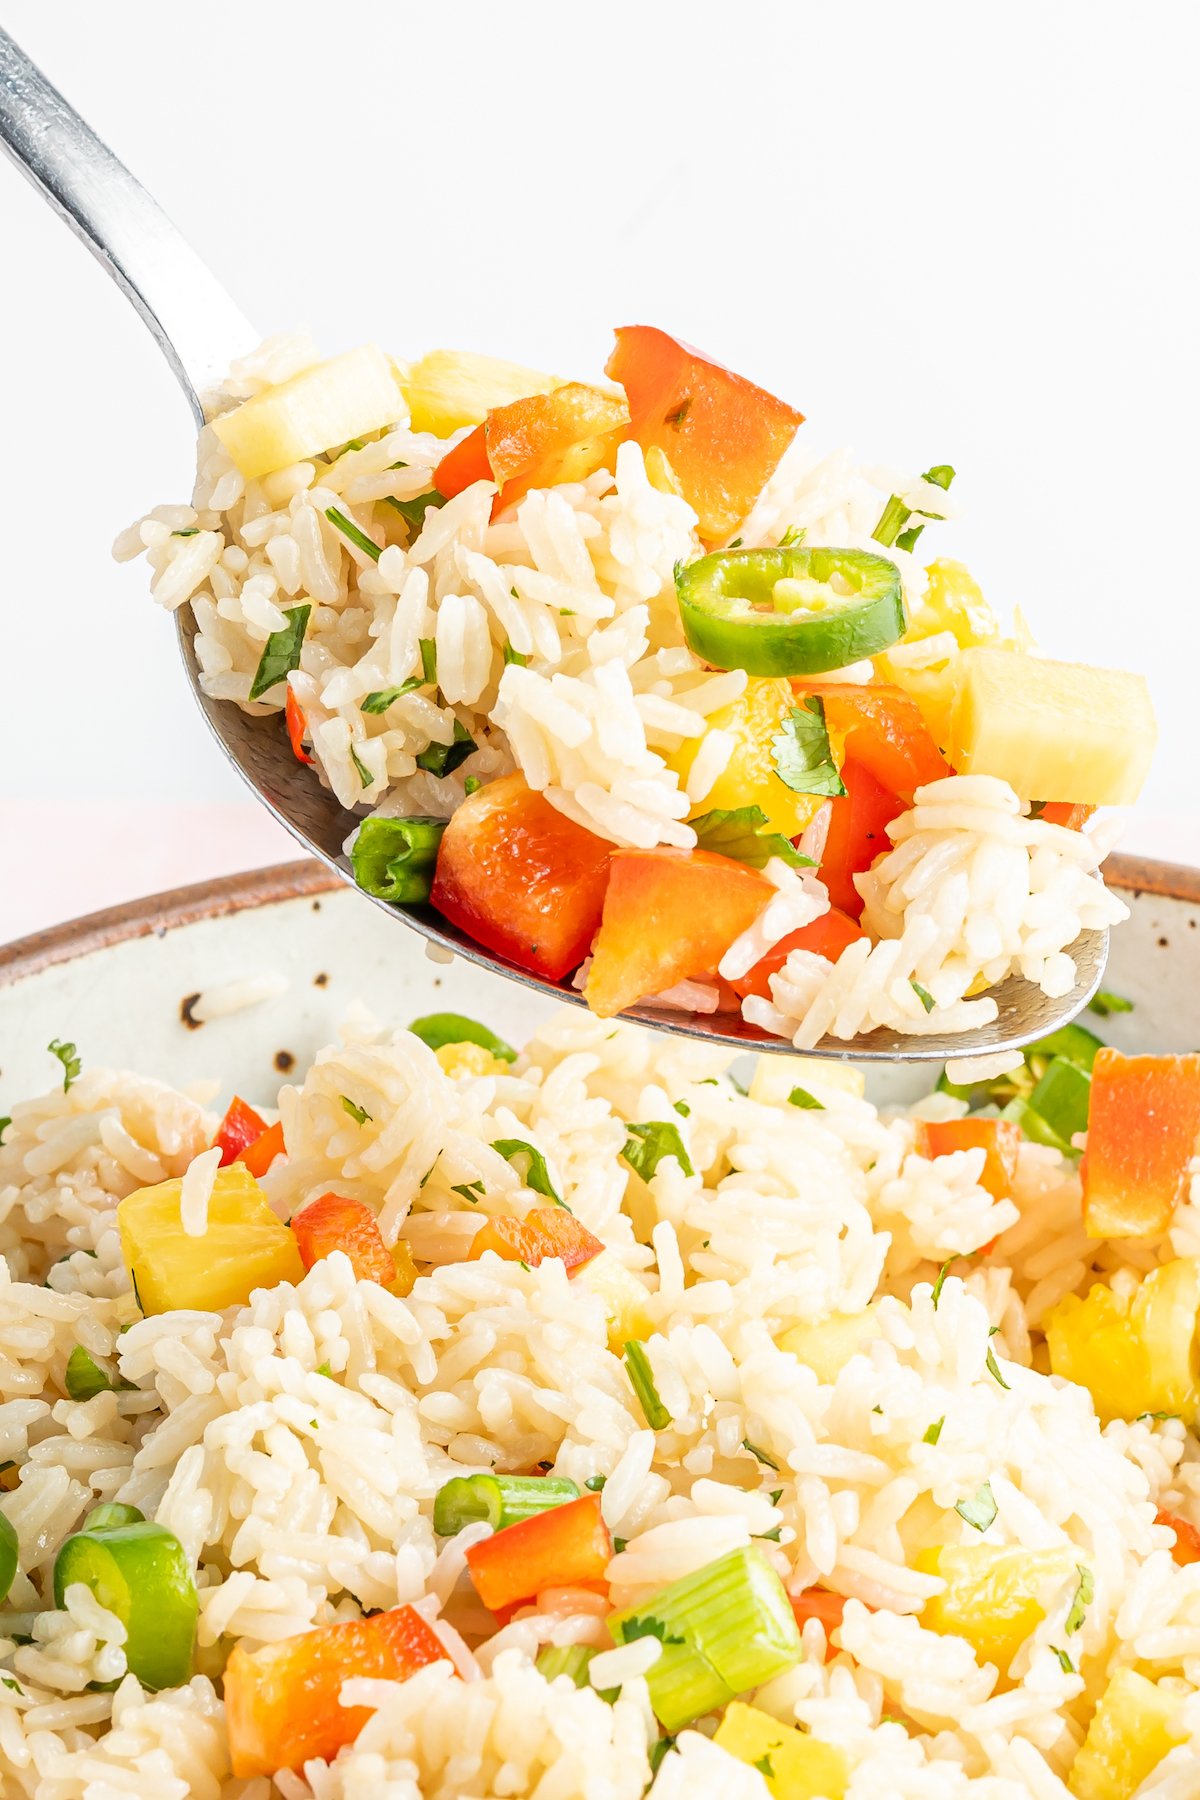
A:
[82,858]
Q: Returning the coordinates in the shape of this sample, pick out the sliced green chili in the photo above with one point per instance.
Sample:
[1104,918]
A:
[789,611]
[497,1500]
[439,1029]
[394,859]
[141,1573]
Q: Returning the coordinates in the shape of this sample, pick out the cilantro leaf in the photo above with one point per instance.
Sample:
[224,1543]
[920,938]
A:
[538,1177]
[933,1432]
[980,1509]
[993,1369]
[281,652]
[413,511]
[471,1191]
[923,995]
[381,698]
[350,530]
[70,1059]
[801,754]
[1085,1593]
[514,656]
[359,1114]
[765,1766]
[1064,1661]
[364,774]
[801,1097]
[767,1461]
[646,1146]
[443,759]
[737,832]
[940,1283]
[5,1122]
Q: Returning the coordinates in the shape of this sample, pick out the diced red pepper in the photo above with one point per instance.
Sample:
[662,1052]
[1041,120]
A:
[1000,1139]
[297,726]
[240,1127]
[669,916]
[1063,812]
[827,936]
[521,878]
[857,833]
[548,1232]
[565,435]
[283,1701]
[259,1155]
[559,1548]
[819,1603]
[1187,1538]
[1143,1127]
[885,733]
[721,435]
[463,466]
[335,1223]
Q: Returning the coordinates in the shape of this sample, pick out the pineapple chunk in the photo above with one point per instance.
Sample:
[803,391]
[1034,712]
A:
[955,612]
[1134,1353]
[993,1595]
[774,1078]
[470,1059]
[244,1247]
[749,778]
[827,1346]
[1053,731]
[1130,1733]
[406,1269]
[448,389]
[624,1299]
[316,410]
[794,1765]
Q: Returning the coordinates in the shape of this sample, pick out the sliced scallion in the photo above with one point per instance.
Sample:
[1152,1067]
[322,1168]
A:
[641,1377]
[497,1500]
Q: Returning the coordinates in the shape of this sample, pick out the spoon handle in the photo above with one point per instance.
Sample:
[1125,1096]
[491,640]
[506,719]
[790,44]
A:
[196,325]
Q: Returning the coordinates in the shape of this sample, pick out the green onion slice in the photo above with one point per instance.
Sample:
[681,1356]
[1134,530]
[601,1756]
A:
[141,1573]
[439,1029]
[641,1377]
[394,859]
[9,1552]
[497,1500]
[789,611]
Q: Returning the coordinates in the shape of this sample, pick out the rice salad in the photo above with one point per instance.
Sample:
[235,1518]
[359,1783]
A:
[583,1423]
[644,691]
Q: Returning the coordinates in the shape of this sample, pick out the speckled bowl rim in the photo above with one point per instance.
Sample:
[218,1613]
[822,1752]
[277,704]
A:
[156,914]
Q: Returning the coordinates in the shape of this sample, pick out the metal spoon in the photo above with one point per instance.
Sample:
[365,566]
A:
[201,331]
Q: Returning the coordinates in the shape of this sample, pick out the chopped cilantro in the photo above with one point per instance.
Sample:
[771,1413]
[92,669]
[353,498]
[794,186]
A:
[738,833]
[359,1114]
[923,995]
[471,1191]
[364,774]
[595,1484]
[1085,1593]
[350,530]
[382,698]
[646,1627]
[647,1145]
[1064,1661]
[70,1059]
[765,1766]
[538,1177]
[683,1109]
[801,754]
[514,656]
[413,511]
[933,1432]
[443,759]
[801,1097]
[281,652]
[767,1461]
[940,1283]
[980,1509]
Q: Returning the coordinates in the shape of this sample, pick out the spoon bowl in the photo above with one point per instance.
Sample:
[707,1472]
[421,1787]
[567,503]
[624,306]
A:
[201,331]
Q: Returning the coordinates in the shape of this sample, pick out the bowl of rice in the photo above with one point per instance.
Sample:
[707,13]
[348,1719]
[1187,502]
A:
[411,1386]
[635,689]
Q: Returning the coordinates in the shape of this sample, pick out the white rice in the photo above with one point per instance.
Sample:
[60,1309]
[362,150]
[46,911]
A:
[237,996]
[302,1499]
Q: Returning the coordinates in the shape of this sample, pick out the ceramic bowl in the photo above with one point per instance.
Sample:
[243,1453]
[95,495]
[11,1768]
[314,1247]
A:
[119,984]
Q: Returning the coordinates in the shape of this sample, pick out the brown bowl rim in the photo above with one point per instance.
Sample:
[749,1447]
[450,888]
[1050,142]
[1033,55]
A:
[156,914]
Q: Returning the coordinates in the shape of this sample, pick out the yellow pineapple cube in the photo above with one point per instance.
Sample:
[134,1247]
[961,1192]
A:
[319,409]
[448,389]
[1131,1731]
[794,1765]
[244,1247]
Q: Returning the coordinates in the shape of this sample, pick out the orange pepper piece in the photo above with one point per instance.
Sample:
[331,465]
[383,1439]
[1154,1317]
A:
[521,878]
[885,733]
[240,1127]
[545,1233]
[296,726]
[335,1223]
[827,936]
[819,1603]
[1063,812]
[1000,1139]
[283,1702]
[560,1548]
[669,916]
[1143,1126]
[721,435]
[1187,1538]
[857,833]
[545,439]
[259,1155]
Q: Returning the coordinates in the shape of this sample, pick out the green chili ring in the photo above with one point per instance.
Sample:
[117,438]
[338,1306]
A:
[141,1573]
[735,617]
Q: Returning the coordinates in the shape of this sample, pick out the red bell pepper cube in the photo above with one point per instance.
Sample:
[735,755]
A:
[1000,1139]
[521,878]
[565,435]
[283,1701]
[669,916]
[1063,812]
[857,833]
[827,936]
[884,732]
[560,1548]
[463,466]
[819,1603]
[335,1223]
[240,1127]
[259,1155]
[721,435]
[1187,1538]
[1143,1126]
[541,1235]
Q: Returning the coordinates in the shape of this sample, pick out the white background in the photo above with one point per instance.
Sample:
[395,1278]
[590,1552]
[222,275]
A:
[957,232]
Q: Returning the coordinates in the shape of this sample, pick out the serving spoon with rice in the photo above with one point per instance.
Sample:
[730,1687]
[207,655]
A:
[201,332]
